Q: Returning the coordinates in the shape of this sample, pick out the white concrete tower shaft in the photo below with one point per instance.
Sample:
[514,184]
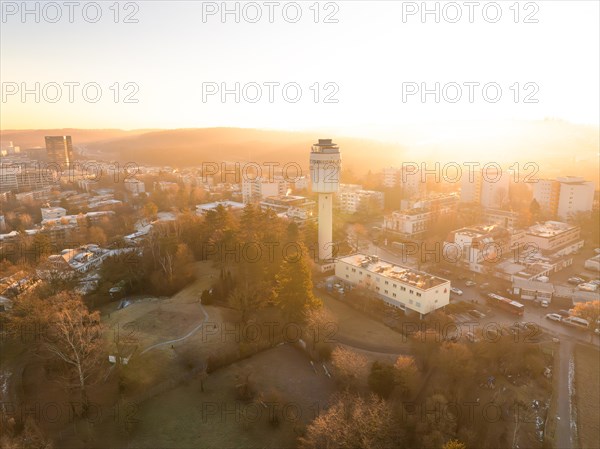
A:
[325,165]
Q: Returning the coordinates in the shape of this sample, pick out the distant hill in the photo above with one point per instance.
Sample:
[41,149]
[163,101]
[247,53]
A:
[187,147]
[31,138]
[558,147]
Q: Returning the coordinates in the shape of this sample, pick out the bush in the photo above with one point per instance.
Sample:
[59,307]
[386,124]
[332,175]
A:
[324,350]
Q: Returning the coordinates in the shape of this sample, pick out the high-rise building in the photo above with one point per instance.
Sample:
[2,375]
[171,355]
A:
[409,181]
[256,189]
[565,196]
[325,165]
[59,150]
[489,188]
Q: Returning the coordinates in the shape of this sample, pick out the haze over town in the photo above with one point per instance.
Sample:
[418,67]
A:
[300,225]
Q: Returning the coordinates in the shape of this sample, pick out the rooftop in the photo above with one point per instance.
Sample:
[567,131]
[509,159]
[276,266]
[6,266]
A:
[406,275]
[549,228]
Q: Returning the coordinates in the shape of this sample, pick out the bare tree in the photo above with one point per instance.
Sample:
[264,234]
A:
[75,337]
[353,422]
[351,368]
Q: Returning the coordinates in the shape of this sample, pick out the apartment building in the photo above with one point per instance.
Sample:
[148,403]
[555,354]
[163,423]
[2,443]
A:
[565,196]
[400,287]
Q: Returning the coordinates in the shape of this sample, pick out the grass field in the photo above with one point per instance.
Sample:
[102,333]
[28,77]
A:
[355,328]
[587,395]
[186,417]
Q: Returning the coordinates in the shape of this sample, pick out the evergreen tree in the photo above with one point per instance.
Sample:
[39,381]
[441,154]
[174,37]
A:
[294,291]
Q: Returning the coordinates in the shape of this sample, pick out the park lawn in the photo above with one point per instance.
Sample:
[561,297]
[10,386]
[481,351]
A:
[186,417]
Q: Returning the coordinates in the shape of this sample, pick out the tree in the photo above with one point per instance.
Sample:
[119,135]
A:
[75,338]
[382,379]
[535,210]
[354,422]
[150,210]
[406,374]
[589,311]
[294,291]
[321,326]
[351,368]
[246,301]
[457,362]
[96,235]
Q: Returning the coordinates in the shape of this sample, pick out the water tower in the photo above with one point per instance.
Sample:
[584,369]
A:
[325,165]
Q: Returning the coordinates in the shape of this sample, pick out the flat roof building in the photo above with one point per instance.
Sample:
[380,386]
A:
[399,286]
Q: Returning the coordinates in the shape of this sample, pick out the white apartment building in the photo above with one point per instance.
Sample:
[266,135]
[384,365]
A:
[255,190]
[408,224]
[505,218]
[351,196]
[134,186]
[407,178]
[391,177]
[411,222]
[476,245]
[554,238]
[564,196]
[576,195]
[294,207]
[52,213]
[400,287]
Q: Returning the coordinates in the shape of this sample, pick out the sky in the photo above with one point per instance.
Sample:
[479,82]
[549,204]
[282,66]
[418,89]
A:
[361,68]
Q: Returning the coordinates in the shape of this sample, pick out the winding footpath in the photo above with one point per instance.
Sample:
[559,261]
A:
[177,340]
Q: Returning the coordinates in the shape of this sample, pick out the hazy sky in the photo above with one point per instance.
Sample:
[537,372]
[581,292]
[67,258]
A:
[367,56]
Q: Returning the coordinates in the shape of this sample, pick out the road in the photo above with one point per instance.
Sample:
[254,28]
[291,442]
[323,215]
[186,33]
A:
[564,368]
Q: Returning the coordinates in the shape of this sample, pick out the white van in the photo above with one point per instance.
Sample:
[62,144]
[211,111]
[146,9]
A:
[576,321]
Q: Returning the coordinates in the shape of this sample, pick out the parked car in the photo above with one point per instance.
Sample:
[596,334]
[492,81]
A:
[456,291]
[484,286]
[597,250]
[476,314]
[553,317]
[587,287]
[545,303]
[575,280]
[470,283]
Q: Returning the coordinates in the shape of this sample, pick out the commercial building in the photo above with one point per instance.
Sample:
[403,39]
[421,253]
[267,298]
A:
[59,150]
[400,287]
